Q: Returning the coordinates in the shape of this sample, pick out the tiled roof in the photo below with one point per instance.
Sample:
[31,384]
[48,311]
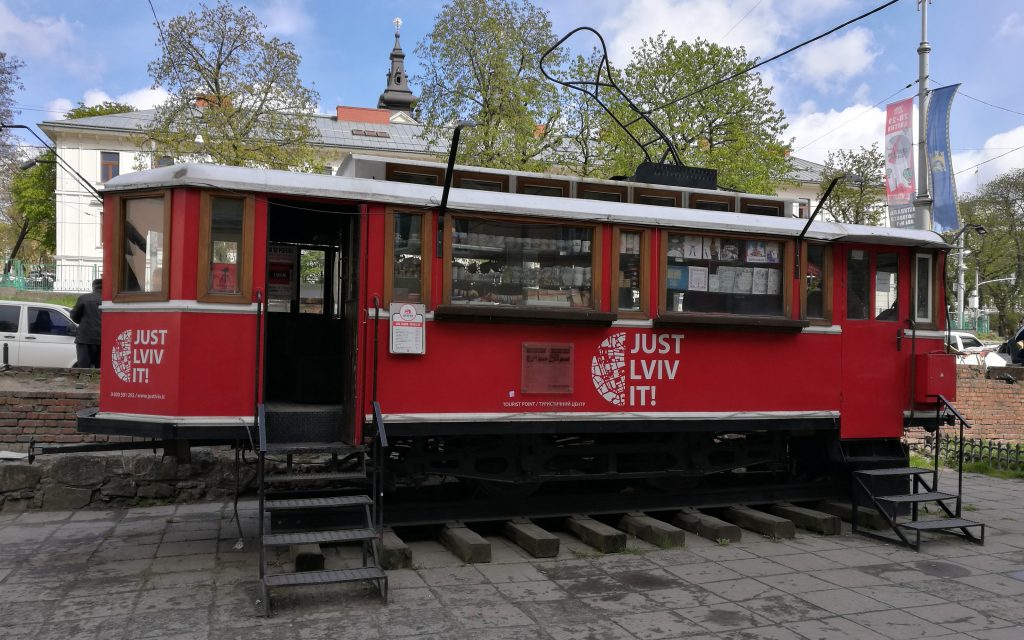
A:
[805,170]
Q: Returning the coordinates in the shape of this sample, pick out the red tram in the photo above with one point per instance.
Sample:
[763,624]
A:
[542,328]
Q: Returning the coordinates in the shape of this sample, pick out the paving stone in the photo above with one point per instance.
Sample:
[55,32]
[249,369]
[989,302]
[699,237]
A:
[898,596]
[496,615]
[784,607]
[898,625]
[590,630]
[741,589]
[654,625]
[703,572]
[959,618]
[843,601]
[833,629]
[540,590]
[755,567]
[521,572]
[452,576]
[723,617]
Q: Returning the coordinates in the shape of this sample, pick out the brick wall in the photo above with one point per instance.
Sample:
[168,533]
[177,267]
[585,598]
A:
[42,403]
[994,408]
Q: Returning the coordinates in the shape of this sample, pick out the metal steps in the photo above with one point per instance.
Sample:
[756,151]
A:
[324,577]
[897,471]
[343,516]
[946,523]
[928,496]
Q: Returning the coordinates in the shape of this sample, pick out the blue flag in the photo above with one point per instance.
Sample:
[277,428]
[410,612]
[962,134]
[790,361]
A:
[944,211]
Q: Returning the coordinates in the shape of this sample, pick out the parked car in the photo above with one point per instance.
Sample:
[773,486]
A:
[36,334]
[970,350]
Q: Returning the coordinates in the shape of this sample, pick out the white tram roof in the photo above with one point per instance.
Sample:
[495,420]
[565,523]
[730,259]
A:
[288,183]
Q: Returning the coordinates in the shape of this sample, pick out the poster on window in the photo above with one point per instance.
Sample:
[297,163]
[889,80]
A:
[281,278]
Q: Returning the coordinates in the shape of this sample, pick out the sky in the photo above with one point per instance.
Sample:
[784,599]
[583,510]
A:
[833,92]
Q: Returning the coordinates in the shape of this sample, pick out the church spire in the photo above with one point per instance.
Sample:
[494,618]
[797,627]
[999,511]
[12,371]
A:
[397,96]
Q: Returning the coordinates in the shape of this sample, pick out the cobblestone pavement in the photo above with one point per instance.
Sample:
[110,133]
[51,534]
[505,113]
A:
[171,572]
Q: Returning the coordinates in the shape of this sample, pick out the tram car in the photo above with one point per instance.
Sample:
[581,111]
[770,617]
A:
[538,328]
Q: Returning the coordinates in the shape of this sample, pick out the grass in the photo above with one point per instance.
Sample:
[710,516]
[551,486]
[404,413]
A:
[63,299]
[722,541]
[984,468]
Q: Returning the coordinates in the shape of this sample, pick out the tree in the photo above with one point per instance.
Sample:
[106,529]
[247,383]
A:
[9,156]
[104,108]
[581,121]
[480,63]
[999,206]
[859,196]
[235,96]
[734,127]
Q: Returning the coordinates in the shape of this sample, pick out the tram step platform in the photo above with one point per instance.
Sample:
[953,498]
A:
[938,525]
[318,537]
[323,577]
[910,498]
[314,477]
[897,471]
[313,447]
[317,503]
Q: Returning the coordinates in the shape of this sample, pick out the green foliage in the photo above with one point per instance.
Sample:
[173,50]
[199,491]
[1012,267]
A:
[9,83]
[480,63]
[104,108]
[33,208]
[859,198]
[999,206]
[254,110]
[581,121]
[734,127]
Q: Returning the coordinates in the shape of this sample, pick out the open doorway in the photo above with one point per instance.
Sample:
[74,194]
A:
[312,306]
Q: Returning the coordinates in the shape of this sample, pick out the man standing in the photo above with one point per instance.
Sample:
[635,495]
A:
[87,314]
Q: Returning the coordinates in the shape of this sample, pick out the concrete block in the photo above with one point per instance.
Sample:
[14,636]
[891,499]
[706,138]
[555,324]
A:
[79,471]
[759,521]
[395,554]
[652,530]
[57,497]
[597,534]
[866,516]
[706,526]
[14,477]
[536,541]
[817,521]
[306,557]
[468,545]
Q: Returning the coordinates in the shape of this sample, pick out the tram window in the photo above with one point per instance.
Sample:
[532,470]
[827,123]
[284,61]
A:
[923,288]
[630,270]
[816,281]
[481,185]
[311,280]
[225,248]
[522,264]
[857,275]
[710,203]
[414,178]
[532,188]
[658,201]
[709,274]
[885,286]
[407,269]
[143,225]
[596,194]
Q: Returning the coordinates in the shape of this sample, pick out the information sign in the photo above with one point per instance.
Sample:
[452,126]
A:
[408,328]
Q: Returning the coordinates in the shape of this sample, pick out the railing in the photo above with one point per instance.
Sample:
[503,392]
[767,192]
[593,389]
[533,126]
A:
[945,413]
[998,455]
[49,276]
[380,443]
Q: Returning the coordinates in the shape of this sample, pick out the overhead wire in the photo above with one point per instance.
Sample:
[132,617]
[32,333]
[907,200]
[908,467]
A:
[862,113]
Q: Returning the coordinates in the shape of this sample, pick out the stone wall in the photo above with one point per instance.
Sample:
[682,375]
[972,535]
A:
[98,480]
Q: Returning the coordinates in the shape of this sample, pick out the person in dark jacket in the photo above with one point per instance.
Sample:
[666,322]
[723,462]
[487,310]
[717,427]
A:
[86,313]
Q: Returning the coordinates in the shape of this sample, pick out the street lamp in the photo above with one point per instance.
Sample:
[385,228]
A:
[961,267]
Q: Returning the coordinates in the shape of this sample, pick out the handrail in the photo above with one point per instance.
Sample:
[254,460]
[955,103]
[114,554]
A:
[381,438]
[943,404]
[378,422]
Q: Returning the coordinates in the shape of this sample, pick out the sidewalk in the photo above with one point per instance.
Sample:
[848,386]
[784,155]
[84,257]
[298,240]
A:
[172,572]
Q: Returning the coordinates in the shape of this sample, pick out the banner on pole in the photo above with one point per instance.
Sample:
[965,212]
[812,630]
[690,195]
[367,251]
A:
[944,211]
[899,162]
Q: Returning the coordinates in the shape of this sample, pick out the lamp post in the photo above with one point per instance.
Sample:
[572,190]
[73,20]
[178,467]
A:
[962,267]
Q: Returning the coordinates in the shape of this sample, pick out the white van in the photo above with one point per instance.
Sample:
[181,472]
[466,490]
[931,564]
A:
[36,334]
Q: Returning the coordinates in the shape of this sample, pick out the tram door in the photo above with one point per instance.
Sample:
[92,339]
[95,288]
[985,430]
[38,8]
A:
[874,366]
[310,330]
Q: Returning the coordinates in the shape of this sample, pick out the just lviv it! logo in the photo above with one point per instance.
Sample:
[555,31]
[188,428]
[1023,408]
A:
[626,372]
[135,352]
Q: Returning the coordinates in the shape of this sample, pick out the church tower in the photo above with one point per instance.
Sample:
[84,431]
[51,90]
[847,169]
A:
[397,96]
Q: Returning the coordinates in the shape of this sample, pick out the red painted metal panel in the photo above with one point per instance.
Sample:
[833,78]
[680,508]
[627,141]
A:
[184,258]
[140,363]
[935,375]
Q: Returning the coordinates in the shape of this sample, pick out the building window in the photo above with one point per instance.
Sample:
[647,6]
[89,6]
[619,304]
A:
[142,233]
[923,289]
[723,275]
[110,165]
[522,264]
[408,270]
[630,268]
[164,161]
[225,248]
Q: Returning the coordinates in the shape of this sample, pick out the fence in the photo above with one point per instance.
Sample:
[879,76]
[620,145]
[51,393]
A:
[998,455]
[74,278]
[975,323]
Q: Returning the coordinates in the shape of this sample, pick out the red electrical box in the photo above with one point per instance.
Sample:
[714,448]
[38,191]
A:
[935,374]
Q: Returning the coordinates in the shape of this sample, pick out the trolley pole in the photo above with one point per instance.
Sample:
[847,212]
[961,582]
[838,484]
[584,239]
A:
[922,204]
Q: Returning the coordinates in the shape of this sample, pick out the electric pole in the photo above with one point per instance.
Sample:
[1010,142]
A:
[923,201]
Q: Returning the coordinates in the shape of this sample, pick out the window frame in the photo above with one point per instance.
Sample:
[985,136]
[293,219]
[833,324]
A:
[115,166]
[645,272]
[426,254]
[639,192]
[497,178]
[872,252]
[121,205]
[827,290]
[525,181]
[933,290]
[783,320]
[392,169]
[597,187]
[693,197]
[245,263]
[592,314]
[746,203]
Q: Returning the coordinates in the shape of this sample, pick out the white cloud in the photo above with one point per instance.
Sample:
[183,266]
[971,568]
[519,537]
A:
[828,62]
[55,109]
[43,37]
[1012,27]
[816,133]
[286,17]
[995,148]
